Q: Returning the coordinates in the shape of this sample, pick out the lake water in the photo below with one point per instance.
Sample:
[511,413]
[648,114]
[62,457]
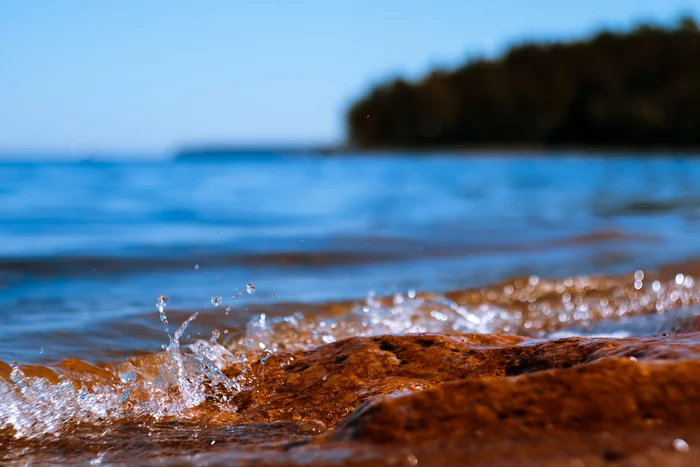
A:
[86,248]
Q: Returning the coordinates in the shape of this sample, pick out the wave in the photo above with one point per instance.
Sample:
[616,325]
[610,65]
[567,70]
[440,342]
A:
[342,251]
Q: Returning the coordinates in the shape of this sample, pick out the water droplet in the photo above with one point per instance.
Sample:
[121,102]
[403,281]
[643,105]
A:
[228,310]
[196,266]
[214,336]
[680,445]
[411,294]
[679,278]
[274,295]
[411,459]
[225,331]
[212,443]
[41,350]
[216,300]
[639,275]
[238,295]
[325,378]
[162,302]
[250,288]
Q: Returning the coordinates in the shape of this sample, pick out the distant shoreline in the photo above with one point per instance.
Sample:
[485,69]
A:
[464,151]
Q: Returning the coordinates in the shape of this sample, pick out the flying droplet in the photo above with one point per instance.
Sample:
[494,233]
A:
[196,266]
[41,350]
[214,336]
[250,288]
[228,310]
[274,295]
[216,301]
[162,303]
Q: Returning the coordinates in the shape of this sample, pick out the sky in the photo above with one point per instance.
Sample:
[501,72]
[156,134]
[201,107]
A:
[151,76]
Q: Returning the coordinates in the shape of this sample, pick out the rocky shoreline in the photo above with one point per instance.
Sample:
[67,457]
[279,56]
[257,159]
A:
[417,399]
[449,399]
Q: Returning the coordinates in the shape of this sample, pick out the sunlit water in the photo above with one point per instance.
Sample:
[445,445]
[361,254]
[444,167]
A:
[195,265]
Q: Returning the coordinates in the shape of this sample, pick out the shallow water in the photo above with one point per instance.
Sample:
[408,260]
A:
[332,248]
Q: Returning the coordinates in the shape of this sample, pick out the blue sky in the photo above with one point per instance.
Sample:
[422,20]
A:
[135,75]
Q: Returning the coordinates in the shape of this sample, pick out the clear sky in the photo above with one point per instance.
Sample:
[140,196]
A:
[150,75]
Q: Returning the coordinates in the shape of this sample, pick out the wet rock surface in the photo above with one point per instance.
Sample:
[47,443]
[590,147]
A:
[448,399]
[425,399]
[329,382]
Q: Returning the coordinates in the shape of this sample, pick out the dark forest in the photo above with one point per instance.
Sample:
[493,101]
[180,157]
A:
[630,89]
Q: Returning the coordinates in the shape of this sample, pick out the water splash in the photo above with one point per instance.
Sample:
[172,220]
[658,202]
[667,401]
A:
[250,288]
[162,385]
[574,306]
[216,300]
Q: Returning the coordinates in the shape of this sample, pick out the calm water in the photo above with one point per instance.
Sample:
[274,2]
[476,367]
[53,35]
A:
[86,248]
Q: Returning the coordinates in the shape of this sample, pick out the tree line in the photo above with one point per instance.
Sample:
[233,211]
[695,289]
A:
[635,88]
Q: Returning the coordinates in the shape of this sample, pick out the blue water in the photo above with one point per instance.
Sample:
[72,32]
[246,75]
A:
[87,247]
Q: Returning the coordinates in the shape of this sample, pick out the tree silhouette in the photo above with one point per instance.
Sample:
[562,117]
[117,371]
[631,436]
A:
[637,88]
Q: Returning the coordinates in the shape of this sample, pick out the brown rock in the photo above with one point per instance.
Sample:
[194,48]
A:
[329,382]
[593,405]
[608,395]
[429,399]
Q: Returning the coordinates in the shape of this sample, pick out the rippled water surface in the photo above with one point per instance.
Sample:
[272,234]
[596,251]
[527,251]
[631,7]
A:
[101,263]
